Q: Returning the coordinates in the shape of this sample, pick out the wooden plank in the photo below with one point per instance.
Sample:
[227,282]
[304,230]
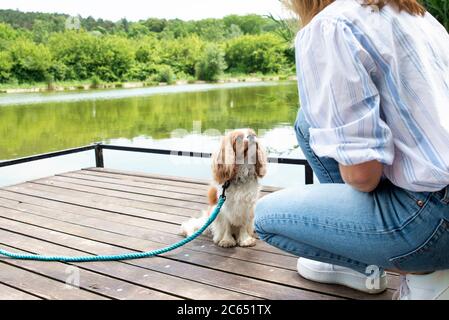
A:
[169,196]
[73,197]
[113,228]
[161,233]
[84,200]
[138,200]
[134,271]
[146,183]
[94,236]
[154,235]
[167,206]
[251,287]
[165,178]
[88,280]
[41,286]
[128,190]
[125,178]
[152,176]
[42,206]
[202,244]
[10,293]
[21,201]
[109,178]
[282,276]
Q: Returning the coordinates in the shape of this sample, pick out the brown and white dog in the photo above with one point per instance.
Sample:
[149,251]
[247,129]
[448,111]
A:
[241,160]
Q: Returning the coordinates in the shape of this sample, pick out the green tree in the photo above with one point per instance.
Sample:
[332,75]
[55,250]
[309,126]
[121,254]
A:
[211,64]
[77,51]
[175,29]
[182,54]
[7,32]
[234,32]
[164,74]
[31,61]
[249,24]
[114,57]
[5,66]
[7,35]
[256,53]
[37,47]
[137,30]
[210,29]
[41,30]
[155,25]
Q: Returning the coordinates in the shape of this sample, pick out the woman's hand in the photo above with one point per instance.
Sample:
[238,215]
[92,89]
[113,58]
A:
[364,177]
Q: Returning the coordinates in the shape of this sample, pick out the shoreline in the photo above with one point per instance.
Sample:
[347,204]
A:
[131,85]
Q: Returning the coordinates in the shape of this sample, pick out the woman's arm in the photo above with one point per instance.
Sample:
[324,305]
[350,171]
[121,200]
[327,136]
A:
[364,177]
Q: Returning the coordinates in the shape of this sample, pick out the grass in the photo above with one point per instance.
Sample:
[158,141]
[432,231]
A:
[43,85]
[96,84]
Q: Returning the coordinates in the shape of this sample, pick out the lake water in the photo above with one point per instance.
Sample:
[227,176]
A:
[188,118]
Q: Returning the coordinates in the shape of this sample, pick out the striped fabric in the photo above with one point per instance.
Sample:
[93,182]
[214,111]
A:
[374,85]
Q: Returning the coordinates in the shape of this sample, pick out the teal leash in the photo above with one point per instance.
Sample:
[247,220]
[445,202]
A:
[126,256]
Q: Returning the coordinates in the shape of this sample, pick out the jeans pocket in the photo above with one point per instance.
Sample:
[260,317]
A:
[417,196]
[432,255]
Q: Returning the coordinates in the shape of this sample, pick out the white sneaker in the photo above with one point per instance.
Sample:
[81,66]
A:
[333,274]
[433,286]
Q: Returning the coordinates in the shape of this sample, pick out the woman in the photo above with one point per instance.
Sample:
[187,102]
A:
[374,125]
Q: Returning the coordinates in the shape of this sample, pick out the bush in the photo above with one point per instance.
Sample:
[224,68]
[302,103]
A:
[211,64]
[165,74]
[151,50]
[50,81]
[182,54]
[86,55]
[31,62]
[95,82]
[5,66]
[141,71]
[259,53]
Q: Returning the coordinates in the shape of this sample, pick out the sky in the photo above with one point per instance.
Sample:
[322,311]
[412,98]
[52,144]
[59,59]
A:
[135,10]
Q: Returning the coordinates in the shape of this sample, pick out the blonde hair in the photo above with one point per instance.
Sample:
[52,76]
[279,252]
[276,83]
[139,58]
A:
[307,9]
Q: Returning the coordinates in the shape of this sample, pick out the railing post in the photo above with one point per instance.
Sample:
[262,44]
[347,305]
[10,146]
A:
[309,174]
[99,161]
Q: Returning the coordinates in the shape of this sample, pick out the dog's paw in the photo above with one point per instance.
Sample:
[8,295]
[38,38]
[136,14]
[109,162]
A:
[227,243]
[184,230]
[247,242]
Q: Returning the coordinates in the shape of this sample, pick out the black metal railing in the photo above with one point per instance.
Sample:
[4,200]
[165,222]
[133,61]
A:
[99,157]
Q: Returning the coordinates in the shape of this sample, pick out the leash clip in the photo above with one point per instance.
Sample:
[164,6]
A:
[224,187]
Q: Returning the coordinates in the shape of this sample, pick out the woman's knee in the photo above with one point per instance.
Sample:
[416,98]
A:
[274,208]
[265,212]
[261,212]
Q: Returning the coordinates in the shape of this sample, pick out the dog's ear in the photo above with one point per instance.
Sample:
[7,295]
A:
[223,162]
[261,161]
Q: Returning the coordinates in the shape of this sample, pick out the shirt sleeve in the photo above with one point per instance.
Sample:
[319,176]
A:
[338,96]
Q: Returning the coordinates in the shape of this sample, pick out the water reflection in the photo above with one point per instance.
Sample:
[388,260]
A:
[187,119]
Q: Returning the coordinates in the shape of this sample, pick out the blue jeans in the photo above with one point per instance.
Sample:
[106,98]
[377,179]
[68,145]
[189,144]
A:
[390,228]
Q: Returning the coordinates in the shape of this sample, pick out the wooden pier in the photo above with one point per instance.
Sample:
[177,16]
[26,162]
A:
[103,211]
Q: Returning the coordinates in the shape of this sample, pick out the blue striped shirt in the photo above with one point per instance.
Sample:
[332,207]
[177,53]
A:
[374,85]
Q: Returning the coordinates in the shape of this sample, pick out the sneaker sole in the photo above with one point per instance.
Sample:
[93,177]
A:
[341,278]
